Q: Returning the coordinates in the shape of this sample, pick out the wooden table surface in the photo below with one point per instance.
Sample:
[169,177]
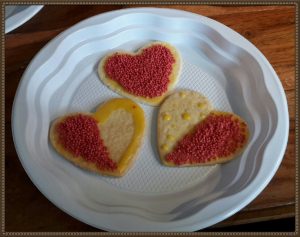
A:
[270,28]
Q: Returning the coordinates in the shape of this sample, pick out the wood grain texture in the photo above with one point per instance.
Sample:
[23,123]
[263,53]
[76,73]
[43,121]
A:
[270,28]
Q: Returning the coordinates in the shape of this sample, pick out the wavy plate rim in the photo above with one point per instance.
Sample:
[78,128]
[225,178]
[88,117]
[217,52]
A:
[133,10]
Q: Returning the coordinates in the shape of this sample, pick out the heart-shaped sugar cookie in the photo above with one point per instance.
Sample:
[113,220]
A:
[105,142]
[191,132]
[145,76]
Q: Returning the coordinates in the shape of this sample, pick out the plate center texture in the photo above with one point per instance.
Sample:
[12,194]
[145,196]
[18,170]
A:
[148,174]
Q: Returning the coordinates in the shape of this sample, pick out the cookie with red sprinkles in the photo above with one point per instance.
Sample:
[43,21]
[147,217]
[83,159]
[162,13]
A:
[105,142]
[192,133]
[146,75]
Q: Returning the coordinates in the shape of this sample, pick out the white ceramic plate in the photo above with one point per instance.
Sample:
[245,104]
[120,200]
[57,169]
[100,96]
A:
[16,15]
[217,62]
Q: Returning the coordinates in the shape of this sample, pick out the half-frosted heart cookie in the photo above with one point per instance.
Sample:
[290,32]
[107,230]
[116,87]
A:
[105,142]
[191,133]
[145,76]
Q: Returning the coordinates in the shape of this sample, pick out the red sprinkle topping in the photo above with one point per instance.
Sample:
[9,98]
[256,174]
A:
[80,135]
[146,74]
[216,136]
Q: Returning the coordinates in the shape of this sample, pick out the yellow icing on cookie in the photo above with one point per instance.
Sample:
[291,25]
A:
[167,117]
[186,116]
[102,115]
